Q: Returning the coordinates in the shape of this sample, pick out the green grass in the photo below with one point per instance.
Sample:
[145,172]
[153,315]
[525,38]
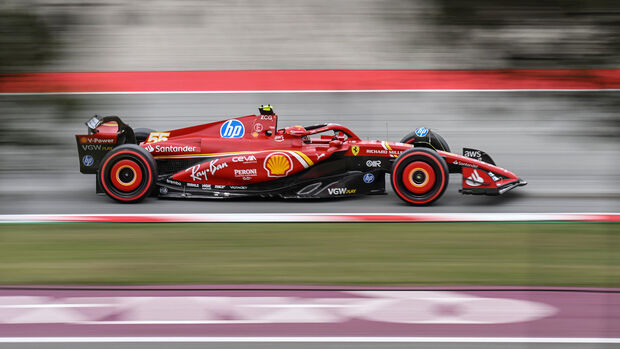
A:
[571,254]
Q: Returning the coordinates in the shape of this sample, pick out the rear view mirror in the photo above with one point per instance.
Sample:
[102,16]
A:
[93,123]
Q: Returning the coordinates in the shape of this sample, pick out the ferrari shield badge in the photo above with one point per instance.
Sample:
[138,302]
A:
[355,150]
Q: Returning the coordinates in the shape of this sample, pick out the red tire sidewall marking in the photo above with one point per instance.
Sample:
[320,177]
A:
[115,172]
[107,190]
[407,177]
[400,193]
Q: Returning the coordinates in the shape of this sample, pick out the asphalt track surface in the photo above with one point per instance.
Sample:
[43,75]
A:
[558,141]
[562,143]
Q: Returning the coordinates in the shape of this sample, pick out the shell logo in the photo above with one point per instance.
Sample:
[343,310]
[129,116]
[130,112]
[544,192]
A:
[278,165]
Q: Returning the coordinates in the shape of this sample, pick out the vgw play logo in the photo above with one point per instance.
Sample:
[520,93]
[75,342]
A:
[232,129]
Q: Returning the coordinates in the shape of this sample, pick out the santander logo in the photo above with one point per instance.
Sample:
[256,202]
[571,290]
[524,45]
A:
[474,179]
[156,148]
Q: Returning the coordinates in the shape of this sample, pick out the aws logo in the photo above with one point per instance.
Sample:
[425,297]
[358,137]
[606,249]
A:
[278,164]
[232,129]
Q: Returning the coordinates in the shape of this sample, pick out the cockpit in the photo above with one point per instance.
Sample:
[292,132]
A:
[332,134]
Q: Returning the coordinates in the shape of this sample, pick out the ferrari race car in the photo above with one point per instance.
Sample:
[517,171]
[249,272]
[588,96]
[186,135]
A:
[250,157]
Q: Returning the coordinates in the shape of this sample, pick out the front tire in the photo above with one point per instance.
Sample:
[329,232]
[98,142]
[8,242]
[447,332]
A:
[419,176]
[127,173]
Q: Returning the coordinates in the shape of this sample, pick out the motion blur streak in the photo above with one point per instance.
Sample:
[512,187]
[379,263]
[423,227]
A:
[112,35]
[381,306]
[501,313]
[312,80]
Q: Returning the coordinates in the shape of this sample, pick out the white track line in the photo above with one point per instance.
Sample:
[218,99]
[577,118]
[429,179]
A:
[310,339]
[304,91]
[309,217]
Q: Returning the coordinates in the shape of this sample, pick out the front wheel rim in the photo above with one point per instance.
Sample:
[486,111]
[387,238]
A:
[418,177]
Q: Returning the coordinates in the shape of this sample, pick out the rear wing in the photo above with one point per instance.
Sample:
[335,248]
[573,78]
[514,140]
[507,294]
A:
[104,134]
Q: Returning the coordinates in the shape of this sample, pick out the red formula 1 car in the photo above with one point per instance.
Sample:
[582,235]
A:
[249,156]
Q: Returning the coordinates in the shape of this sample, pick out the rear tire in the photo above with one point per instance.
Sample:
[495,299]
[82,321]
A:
[127,173]
[419,176]
[142,134]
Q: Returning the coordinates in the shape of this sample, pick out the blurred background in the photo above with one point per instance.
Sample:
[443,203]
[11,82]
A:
[540,135]
[113,35]
[564,143]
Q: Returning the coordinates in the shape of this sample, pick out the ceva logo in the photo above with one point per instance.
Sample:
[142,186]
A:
[232,129]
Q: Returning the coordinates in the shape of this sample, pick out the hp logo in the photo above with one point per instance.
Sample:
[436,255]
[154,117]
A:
[368,178]
[421,132]
[232,129]
[88,160]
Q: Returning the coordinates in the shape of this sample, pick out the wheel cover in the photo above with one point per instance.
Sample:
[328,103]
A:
[418,177]
[126,175]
